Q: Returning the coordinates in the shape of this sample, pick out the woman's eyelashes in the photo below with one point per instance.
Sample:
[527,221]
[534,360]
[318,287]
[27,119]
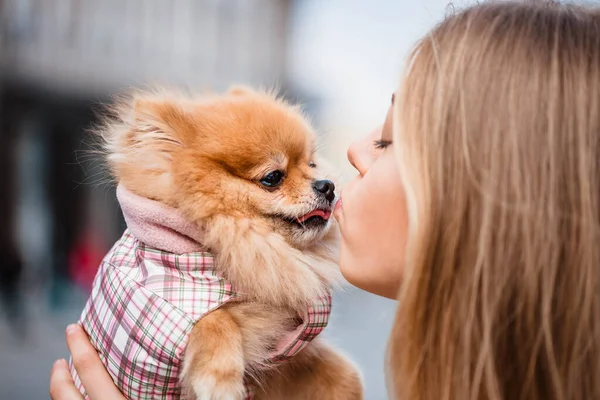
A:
[382,144]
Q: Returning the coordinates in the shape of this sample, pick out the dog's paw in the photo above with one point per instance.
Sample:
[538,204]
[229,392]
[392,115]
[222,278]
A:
[213,364]
[219,386]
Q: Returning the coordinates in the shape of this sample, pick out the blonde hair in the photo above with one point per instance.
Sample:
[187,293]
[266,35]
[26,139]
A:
[497,128]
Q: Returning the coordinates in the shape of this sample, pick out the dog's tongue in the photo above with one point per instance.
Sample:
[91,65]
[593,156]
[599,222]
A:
[315,213]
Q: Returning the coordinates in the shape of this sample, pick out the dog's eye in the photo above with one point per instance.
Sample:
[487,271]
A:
[272,179]
[312,164]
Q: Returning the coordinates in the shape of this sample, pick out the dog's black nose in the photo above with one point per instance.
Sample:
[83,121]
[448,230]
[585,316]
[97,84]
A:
[326,188]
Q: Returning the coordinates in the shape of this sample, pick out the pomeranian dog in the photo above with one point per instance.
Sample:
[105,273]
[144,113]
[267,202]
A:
[221,282]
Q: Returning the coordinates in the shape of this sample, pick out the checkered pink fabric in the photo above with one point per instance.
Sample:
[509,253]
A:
[143,306]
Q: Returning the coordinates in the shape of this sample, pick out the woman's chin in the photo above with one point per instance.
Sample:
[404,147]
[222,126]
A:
[359,274]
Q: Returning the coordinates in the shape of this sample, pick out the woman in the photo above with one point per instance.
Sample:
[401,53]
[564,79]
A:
[477,206]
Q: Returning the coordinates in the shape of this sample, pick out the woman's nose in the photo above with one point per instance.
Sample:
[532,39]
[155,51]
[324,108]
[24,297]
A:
[361,153]
[353,155]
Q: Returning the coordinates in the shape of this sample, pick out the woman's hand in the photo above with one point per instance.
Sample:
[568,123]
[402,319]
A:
[94,377]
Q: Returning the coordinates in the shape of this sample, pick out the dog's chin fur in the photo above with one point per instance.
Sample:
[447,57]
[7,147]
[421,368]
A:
[206,157]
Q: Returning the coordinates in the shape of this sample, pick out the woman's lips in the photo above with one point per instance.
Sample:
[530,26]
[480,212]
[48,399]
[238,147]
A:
[338,205]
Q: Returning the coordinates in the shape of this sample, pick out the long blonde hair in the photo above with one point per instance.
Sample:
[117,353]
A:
[497,129]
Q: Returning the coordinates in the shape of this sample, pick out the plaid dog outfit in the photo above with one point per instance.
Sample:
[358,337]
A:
[145,302]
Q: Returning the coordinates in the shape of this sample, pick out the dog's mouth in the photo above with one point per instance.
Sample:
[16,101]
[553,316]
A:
[316,218]
[315,215]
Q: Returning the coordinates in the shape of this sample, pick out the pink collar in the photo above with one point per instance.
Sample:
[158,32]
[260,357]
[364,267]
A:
[157,225]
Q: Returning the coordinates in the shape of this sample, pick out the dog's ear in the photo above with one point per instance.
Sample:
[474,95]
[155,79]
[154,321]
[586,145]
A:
[241,90]
[143,137]
[159,122]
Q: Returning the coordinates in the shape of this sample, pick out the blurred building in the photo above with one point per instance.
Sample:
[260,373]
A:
[87,46]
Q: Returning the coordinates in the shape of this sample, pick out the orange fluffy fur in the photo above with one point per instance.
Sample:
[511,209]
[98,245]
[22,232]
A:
[205,156]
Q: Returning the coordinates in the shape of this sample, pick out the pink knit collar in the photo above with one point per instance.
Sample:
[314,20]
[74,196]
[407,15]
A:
[158,225]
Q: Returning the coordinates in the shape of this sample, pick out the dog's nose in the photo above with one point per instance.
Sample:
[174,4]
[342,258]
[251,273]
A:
[326,188]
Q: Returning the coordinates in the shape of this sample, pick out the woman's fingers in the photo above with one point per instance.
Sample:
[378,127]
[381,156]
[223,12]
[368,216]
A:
[61,383]
[95,379]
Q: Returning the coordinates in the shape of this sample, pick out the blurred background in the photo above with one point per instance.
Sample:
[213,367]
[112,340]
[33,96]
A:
[61,59]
